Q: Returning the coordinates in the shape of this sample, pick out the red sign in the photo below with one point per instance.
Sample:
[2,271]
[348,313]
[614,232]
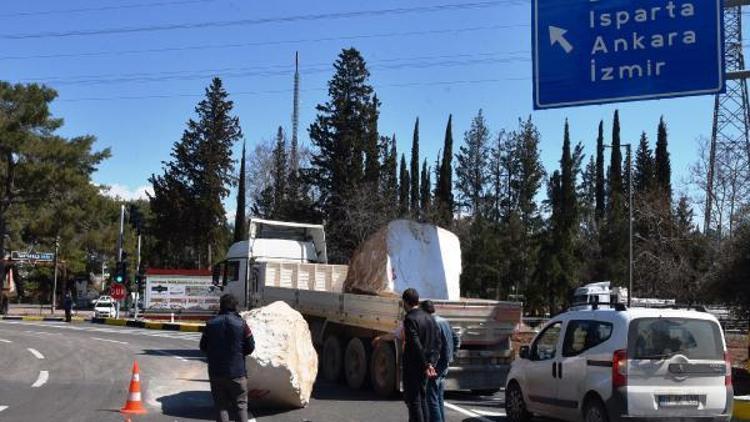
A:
[117,291]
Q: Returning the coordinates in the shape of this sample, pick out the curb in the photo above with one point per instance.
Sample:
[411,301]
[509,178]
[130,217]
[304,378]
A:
[38,318]
[742,408]
[151,325]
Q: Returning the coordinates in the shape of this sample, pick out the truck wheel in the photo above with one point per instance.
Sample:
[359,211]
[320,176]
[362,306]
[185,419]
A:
[383,369]
[332,358]
[356,363]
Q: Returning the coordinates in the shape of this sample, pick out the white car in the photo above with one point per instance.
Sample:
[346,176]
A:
[601,365]
[104,307]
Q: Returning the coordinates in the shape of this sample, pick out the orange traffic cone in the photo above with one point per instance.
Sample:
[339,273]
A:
[134,404]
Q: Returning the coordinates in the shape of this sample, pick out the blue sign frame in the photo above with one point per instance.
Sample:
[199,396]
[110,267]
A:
[589,52]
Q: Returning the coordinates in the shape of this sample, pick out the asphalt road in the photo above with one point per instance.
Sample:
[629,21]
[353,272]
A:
[81,372]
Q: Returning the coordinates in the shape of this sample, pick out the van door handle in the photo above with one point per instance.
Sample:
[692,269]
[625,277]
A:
[559,370]
[554,369]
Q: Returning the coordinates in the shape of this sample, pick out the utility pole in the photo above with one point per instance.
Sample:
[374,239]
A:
[120,244]
[54,283]
[294,160]
[138,274]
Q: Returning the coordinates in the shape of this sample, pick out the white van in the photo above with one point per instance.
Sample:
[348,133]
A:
[601,365]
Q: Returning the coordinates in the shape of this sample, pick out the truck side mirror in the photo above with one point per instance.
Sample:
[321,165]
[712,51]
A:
[524,352]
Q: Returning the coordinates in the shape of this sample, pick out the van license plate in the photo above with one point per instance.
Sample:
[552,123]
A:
[678,401]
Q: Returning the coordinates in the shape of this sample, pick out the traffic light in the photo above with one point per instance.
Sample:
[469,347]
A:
[121,272]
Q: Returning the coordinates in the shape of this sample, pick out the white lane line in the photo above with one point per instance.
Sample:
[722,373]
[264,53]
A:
[111,341]
[160,352]
[43,377]
[3,408]
[2,340]
[466,412]
[488,413]
[35,353]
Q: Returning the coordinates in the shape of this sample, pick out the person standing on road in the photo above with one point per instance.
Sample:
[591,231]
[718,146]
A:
[450,342]
[421,353]
[226,341]
[68,306]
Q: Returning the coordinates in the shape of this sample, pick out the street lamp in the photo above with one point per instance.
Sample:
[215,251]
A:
[630,220]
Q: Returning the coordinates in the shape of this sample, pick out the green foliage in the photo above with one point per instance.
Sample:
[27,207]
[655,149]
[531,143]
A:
[191,190]
[662,165]
[425,195]
[471,169]
[601,204]
[414,171]
[403,188]
[644,167]
[240,227]
[444,179]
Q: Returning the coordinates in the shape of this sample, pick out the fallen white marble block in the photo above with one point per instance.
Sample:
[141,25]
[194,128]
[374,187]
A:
[407,254]
[282,369]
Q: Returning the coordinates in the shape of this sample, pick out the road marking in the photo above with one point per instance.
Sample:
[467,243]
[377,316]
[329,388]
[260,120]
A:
[35,353]
[2,340]
[111,341]
[43,377]
[488,413]
[466,412]
[3,408]
[160,352]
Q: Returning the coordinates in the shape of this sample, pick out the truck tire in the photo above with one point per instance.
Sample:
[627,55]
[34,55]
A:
[356,363]
[383,369]
[332,358]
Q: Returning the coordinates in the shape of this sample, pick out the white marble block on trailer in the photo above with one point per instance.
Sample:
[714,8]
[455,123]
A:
[407,254]
[282,369]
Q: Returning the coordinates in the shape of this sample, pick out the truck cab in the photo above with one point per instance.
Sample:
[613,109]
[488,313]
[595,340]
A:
[269,241]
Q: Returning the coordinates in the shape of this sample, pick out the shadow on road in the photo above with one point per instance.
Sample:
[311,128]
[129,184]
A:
[326,390]
[188,404]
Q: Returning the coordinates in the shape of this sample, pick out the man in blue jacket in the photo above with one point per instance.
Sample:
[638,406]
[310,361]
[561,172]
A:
[226,341]
[449,344]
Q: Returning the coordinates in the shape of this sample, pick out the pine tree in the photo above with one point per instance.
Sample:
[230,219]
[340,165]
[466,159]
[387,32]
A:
[425,198]
[600,186]
[240,230]
[280,174]
[643,180]
[662,166]
[471,170]
[341,131]
[197,179]
[414,203]
[403,186]
[444,178]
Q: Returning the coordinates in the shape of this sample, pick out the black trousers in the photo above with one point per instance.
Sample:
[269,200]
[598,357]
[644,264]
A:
[67,315]
[415,396]
[230,394]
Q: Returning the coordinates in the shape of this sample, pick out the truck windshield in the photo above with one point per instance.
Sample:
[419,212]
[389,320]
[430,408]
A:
[662,338]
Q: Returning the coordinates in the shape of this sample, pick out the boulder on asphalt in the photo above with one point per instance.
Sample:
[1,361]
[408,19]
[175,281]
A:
[407,254]
[282,369]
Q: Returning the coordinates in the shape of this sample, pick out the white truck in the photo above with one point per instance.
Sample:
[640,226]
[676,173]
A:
[288,262]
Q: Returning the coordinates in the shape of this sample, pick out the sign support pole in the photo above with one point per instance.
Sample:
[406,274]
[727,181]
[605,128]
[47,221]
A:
[54,283]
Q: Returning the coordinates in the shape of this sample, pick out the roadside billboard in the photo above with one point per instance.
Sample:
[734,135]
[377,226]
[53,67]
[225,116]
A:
[186,290]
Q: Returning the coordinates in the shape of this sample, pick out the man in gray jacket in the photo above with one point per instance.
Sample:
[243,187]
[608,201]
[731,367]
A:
[449,345]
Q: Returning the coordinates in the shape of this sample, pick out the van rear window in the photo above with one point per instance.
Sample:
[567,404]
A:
[661,338]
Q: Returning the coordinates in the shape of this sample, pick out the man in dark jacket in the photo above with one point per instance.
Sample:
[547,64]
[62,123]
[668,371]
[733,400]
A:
[421,353]
[226,341]
[68,306]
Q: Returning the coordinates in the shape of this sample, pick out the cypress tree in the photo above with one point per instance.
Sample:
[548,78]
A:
[600,186]
[614,178]
[239,216]
[389,173]
[615,237]
[414,203]
[425,197]
[567,192]
[662,166]
[444,178]
[279,175]
[372,155]
[644,166]
[403,186]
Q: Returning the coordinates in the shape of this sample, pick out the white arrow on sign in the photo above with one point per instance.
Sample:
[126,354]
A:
[557,35]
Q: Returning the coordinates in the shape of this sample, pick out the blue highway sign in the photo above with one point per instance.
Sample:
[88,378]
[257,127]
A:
[601,51]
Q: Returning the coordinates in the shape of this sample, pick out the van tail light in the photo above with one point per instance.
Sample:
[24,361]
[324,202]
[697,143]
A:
[728,373]
[620,369]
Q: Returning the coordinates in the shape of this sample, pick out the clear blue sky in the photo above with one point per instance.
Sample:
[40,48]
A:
[427,64]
